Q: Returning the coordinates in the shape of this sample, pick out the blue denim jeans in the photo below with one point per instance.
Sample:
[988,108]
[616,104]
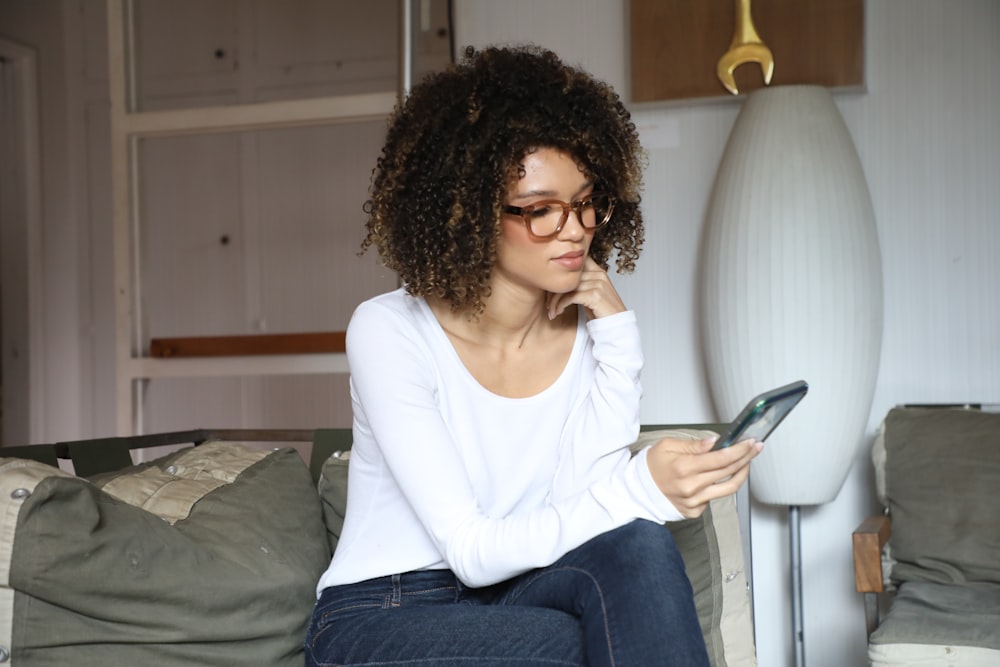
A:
[621,599]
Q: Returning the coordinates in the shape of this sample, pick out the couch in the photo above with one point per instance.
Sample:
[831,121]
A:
[931,559]
[209,554]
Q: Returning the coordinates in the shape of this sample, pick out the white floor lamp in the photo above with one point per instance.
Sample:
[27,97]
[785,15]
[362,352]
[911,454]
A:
[791,287]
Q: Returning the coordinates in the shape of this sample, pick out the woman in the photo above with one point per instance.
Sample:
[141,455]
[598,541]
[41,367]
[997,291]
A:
[495,515]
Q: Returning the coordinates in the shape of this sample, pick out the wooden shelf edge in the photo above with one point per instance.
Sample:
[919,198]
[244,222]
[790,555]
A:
[248,345]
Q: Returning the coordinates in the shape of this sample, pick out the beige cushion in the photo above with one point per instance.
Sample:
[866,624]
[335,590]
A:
[711,547]
[931,655]
[215,564]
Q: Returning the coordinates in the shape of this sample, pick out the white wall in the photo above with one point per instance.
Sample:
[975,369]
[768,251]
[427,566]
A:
[928,133]
[41,26]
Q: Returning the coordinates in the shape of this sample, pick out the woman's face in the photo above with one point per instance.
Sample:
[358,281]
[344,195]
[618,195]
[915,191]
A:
[555,264]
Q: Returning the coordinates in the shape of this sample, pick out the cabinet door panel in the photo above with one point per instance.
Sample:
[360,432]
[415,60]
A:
[311,186]
[185,38]
[192,273]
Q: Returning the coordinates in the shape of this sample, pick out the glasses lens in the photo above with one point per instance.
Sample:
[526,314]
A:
[599,207]
[545,217]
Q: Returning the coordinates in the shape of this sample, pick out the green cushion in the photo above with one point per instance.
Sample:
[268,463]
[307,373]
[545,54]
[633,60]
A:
[939,475]
[713,555]
[710,545]
[930,613]
[333,494]
[218,569]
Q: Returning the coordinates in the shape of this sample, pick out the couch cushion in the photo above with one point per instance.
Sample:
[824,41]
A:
[711,547]
[215,564]
[333,494]
[940,624]
[713,555]
[938,471]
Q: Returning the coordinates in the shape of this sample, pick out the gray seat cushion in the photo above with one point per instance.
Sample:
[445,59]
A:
[932,613]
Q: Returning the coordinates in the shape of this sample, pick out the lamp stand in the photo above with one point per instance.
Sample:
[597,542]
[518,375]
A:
[795,551]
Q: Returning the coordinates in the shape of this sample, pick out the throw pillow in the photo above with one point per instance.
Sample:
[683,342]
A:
[215,563]
[940,471]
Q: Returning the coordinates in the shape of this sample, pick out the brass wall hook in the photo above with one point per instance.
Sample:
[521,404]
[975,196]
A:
[746,47]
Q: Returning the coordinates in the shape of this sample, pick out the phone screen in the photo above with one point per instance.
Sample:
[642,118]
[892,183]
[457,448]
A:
[763,414]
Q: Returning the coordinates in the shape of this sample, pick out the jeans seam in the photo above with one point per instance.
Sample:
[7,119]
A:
[600,593]
[326,614]
[429,590]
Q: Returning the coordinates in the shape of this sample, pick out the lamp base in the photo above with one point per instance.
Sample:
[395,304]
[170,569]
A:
[795,553]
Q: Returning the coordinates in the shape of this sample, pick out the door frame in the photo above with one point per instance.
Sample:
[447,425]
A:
[25,161]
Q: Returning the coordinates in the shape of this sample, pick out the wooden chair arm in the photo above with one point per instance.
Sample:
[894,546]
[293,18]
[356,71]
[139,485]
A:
[868,540]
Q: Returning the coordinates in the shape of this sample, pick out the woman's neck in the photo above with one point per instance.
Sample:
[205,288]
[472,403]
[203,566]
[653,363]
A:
[507,321]
[512,349]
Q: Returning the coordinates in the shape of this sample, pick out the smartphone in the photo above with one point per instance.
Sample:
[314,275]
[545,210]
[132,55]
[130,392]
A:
[763,414]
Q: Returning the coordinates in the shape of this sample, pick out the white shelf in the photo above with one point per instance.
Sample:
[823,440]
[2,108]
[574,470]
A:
[260,115]
[148,368]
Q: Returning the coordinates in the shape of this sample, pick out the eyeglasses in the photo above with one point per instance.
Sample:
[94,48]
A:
[545,219]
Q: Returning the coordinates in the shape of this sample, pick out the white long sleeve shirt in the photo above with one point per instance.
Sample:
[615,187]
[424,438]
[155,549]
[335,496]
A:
[446,474]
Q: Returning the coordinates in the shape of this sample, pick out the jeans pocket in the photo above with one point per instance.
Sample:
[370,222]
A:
[344,600]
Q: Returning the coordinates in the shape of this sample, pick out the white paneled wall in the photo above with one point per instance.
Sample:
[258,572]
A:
[928,133]
[259,232]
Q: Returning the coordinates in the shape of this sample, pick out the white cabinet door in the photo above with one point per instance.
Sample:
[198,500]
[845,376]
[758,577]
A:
[259,232]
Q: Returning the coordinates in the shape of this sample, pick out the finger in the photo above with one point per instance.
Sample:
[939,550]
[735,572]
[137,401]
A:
[747,451]
[695,504]
[686,445]
[594,292]
[708,470]
[551,303]
[729,485]
[586,294]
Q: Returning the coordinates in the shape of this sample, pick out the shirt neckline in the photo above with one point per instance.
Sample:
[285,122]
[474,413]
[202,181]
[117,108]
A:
[453,357]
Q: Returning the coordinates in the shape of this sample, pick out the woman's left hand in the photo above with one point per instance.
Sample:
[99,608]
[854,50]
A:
[595,293]
[690,474]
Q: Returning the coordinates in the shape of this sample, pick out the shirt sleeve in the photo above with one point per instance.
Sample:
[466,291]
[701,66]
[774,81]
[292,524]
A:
[394,380]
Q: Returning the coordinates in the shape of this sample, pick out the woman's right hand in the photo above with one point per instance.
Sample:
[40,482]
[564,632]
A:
[690,474]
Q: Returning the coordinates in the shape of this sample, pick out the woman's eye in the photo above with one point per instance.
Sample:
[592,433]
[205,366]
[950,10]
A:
[540,212]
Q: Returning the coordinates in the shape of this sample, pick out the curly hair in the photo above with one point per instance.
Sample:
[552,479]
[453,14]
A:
[457,143]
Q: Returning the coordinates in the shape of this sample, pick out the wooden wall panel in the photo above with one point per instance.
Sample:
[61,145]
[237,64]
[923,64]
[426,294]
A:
[676,44]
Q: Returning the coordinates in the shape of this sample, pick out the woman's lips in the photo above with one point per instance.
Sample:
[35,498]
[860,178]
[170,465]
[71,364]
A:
[572,261]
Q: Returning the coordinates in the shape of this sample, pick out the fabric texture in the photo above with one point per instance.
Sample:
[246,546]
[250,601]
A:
[624,593]
[713,555]
[943,614]
[485,485]
[926,655]
[332,489]
[221,572]
[939,471]
[710,546]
